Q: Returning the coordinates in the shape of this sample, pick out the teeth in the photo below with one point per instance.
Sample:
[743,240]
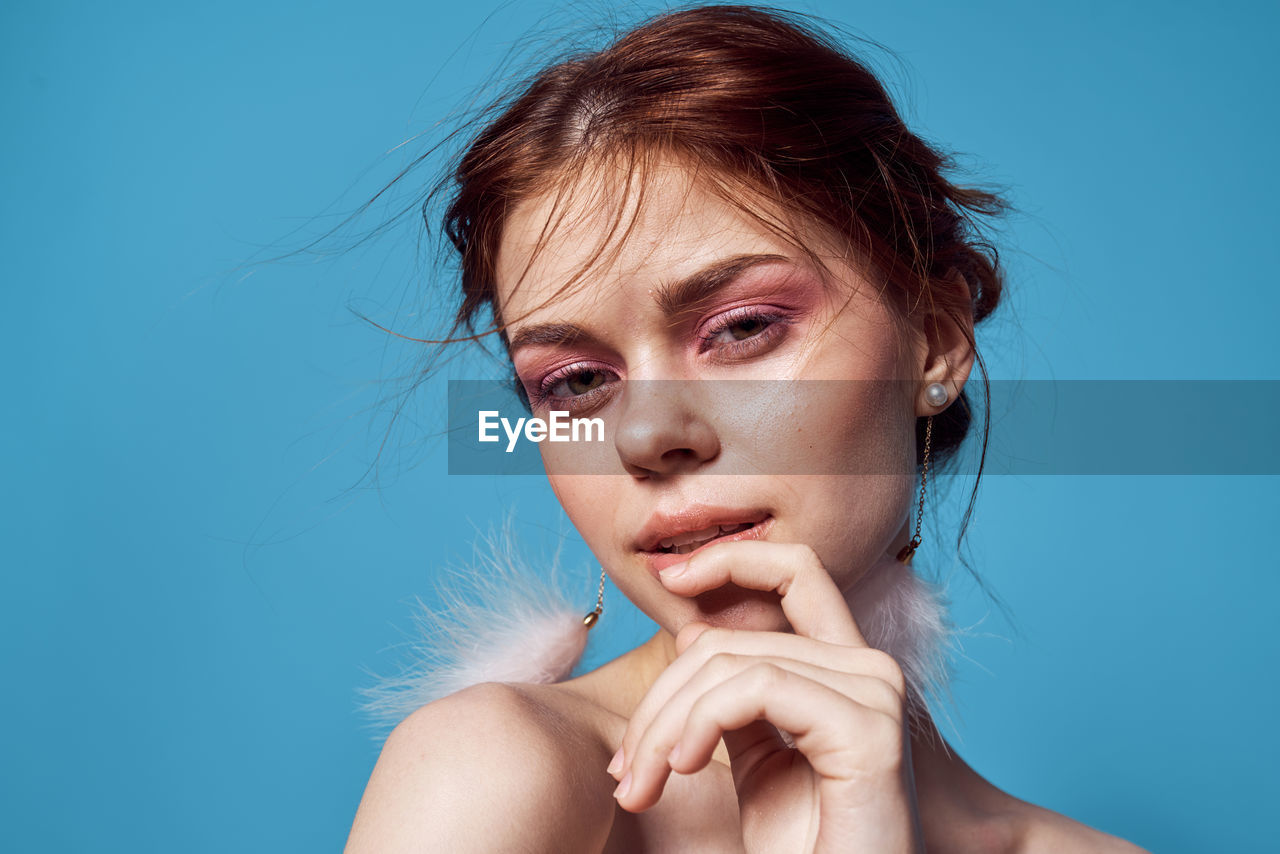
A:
[683,544]
[691,537]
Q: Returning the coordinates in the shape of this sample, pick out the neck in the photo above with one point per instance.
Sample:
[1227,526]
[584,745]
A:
[960,811]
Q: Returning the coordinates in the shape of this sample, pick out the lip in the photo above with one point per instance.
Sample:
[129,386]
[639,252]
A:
[662,526]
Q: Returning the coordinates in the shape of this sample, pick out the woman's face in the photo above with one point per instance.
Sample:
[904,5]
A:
[744,392]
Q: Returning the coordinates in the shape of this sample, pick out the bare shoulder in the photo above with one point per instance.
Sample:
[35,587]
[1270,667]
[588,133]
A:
[1048,832]
[493,767]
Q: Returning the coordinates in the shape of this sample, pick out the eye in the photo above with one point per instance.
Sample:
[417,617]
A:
[577,383]
[743,331]
[572,387]
[740,330]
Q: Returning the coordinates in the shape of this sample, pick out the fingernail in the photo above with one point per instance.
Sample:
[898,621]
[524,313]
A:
[675,570]
[674,755]
[615,764]
[623,787]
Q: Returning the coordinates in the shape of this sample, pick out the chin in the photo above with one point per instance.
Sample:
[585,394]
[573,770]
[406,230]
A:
[733,607]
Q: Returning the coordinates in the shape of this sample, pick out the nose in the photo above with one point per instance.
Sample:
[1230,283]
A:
[663,429]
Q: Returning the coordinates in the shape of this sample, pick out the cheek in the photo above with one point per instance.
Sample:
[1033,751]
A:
[587,501]
[852,444]
[871,446]
[872,425]
[857,518]
[819,427]
[572,492]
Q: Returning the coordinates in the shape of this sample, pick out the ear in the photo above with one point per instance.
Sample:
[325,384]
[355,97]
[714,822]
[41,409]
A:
[944,354]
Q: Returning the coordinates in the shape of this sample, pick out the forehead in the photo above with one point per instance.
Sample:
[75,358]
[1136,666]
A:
[574,245]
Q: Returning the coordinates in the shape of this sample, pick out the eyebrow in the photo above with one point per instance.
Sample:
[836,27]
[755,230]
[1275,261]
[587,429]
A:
[672,298]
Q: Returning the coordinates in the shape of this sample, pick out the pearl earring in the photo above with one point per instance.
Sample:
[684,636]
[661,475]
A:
[936,394]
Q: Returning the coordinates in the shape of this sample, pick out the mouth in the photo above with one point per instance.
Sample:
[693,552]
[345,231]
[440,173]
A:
[668,539]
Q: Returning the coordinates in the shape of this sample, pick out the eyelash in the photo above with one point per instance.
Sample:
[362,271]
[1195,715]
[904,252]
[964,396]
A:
[541,395]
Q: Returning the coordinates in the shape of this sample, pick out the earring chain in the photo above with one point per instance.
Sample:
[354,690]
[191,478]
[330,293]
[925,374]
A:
[909,550]
[593,616]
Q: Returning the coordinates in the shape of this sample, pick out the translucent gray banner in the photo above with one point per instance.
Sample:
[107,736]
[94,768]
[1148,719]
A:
[1038,427]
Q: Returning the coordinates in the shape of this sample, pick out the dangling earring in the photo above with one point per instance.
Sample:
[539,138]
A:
[594,616]
[936,395]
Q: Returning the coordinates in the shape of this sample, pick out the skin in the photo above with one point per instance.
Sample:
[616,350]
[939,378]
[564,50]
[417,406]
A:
[676,743]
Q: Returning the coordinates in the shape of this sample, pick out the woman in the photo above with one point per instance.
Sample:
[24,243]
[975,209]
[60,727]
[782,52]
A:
[718,236]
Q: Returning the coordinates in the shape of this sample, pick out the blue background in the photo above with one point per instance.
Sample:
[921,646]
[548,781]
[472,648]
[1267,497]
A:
[198,574]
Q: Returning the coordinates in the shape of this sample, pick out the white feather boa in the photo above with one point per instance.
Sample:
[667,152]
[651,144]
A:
[505,621]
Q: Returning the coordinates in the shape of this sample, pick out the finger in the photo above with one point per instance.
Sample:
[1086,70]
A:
[703,641]
[653,756]
[754,741]
[810,599]
[649,760]
[842,739]
[690,633]
[709,642]
[836,665]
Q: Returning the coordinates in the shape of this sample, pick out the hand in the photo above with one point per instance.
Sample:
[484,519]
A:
[846,786]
